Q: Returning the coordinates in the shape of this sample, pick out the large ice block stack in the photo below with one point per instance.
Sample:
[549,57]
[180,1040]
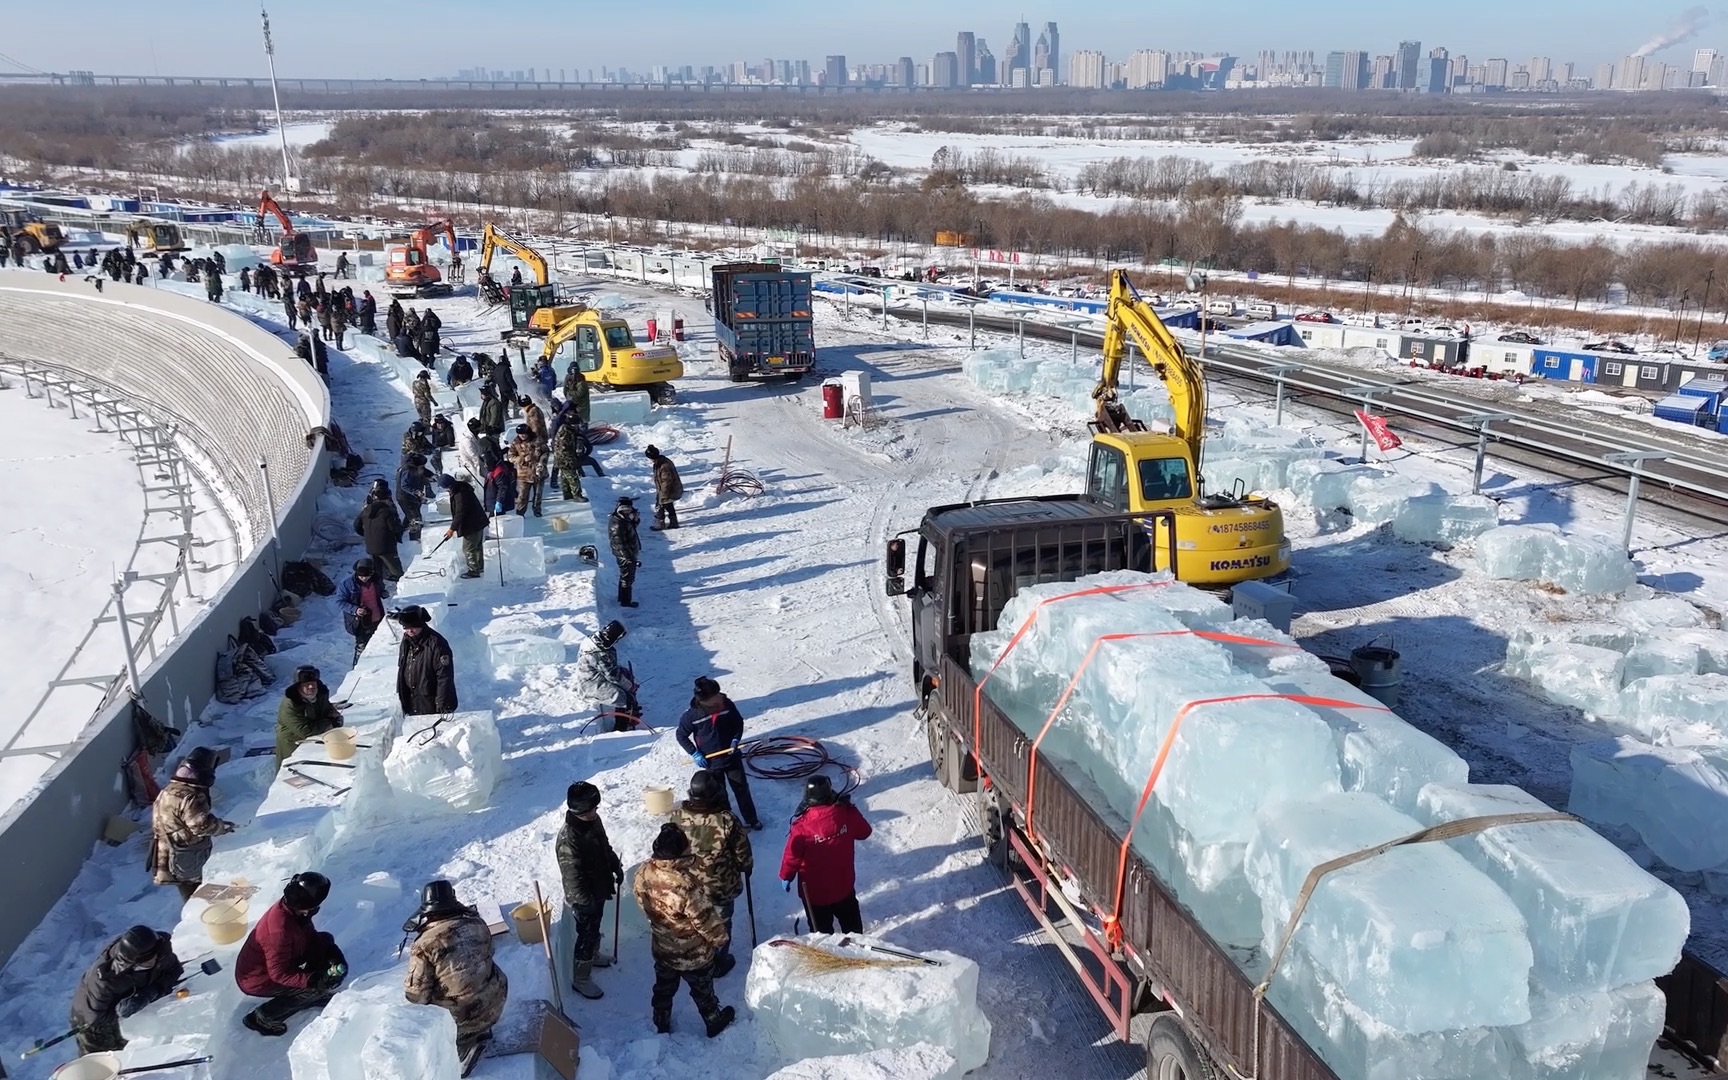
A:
[622,407]
[1005,371]
[1578,564]
[446,763]
[1437,960]
[371,1032]
[817,1014]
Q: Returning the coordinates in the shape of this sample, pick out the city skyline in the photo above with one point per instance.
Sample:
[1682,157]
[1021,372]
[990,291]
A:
[136,41]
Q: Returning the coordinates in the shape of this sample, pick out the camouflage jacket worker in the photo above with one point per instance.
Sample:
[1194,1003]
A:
[686,923]
[182,828]
[528,457]
[587,863]
[450,965]
[720,846]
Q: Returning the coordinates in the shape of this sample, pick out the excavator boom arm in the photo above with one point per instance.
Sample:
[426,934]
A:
[1129,317]
[268,205]
[494,238]
[558,335]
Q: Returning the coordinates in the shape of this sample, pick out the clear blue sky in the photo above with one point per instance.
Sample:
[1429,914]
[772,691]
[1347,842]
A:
[392,38]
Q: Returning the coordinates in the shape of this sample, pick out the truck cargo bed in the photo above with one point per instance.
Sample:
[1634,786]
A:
[1165,945]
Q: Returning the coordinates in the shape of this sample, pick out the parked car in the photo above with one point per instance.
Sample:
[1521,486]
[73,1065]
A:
[1183,303]
[1262,309]
[1411,325]
[1610,346]
[1521,337]
[1718,353]
[1316,316]
[1220,307]
[1443,330]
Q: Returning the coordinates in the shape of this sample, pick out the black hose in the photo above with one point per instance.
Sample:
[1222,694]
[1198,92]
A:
[794,757]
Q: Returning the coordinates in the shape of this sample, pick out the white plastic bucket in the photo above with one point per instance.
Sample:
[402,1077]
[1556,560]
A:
[658,800]
[103,1066]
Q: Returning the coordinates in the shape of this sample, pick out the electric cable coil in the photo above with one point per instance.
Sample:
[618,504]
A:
[794,757]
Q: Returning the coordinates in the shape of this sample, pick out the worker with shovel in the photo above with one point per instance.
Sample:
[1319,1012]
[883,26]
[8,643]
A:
[592,873]
[136,968]
[723,858]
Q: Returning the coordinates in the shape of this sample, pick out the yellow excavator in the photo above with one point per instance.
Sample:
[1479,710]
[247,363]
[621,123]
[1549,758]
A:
[38,237]
[607,353]
[534,309]
[1221,539]
[156,237]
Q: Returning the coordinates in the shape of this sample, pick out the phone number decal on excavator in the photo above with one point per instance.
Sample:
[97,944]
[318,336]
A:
[1243,526]
[1258,562]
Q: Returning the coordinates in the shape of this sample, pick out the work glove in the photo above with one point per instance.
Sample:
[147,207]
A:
[785,886]
[734,745]
[498,508]
[226,828]
[844,798]
[699,758]
[618,874]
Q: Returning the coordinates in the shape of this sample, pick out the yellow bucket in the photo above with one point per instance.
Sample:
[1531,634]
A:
[560,523]
[339,744]
[526,918]
[658,800]
[225,921]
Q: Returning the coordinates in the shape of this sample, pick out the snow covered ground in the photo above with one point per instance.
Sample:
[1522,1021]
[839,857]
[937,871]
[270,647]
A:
[780,598]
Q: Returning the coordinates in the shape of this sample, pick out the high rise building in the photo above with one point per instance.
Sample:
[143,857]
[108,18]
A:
[904,72]
[966,49]
[1409,57]
[1018,58]
[1381,74]
[1604,77]
[986,61]
[834,74]
[1439,79]
[1086,70]
[1541,69]
[1494,73]
[1702,59]
[1147,69]
[1718,75]
[1346,70]
[945,70]
[1631,74]
[1052,39]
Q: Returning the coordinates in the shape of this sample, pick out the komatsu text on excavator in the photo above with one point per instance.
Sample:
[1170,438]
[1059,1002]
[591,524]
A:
[1221,538]
[534,309]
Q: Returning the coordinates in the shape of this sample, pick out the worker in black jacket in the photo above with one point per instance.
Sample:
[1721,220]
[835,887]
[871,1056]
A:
[468,520]
[425,667]
[380,526]
[134,969]
[710,731]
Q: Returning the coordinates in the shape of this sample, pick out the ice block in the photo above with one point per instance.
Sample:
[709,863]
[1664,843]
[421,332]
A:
[523,650]
[622,407]
[1674,798]
[1679,710]
[445,763]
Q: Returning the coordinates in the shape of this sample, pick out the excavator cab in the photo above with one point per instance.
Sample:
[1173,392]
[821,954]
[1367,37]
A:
[296,252]
[525,300]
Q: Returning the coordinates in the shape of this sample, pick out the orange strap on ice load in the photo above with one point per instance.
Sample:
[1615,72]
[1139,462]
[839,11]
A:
[1113,922]
[1025,625]
[1049,721]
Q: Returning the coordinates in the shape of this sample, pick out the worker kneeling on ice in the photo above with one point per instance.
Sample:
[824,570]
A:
[288,960]
[450,965]
[134,969]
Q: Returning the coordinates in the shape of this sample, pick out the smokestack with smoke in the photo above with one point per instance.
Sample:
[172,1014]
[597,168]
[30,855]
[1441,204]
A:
[1692,20]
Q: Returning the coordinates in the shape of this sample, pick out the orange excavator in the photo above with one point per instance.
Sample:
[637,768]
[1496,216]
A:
[408,270]
[294,253]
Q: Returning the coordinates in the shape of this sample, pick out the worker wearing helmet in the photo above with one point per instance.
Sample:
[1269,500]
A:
[626,541]
[450,965]
[600,679]
[819,857]
[591,872]
[380,526]
[721,847]
[133,970]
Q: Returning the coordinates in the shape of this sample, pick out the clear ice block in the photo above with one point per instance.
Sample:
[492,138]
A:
[1359,1048]
[1582,676]
[1523,641]
[923,1061]
[1325,484]
[1675,799]
[371,1032]
[1658,613]
[1445,519]
[1596,1036]
[1657,655]
[1588,565]
[810,1014]
[1597,920]
[1416,937]
[1515,552]
[1712,646]
[1679,710]
[505,526]
[523,650]
[624,407]
[1375,500]
[524,559]
[452,768]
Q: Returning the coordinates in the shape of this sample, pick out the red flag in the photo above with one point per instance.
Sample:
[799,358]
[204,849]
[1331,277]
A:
[1382,435]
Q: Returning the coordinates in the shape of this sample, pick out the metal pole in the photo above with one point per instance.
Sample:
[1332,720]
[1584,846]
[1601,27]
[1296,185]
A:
[126,634]
[281,127]
[1130,367]
[926,316]
[1073,346]
[972,324]
[1364,441]
[1278,403]
[1631,509]
[885,291]
[1709,277]
[1481,457]
[270,504]
[1020,330]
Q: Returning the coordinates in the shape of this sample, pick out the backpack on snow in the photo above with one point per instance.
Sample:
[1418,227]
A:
[240,674]
[304,579]
[254,637]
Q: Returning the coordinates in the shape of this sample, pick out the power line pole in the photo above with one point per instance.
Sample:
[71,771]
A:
[289,183]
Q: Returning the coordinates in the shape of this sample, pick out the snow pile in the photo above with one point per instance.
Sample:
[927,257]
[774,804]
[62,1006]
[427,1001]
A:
[446,763]
[1577,564]
[372,1033]
[1455,958]
[807,1012]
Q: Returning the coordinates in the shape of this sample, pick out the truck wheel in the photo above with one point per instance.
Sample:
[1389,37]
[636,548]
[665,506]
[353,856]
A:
[950,764]
[662,394]
[1171,1053]
[794,376]
[738,372]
